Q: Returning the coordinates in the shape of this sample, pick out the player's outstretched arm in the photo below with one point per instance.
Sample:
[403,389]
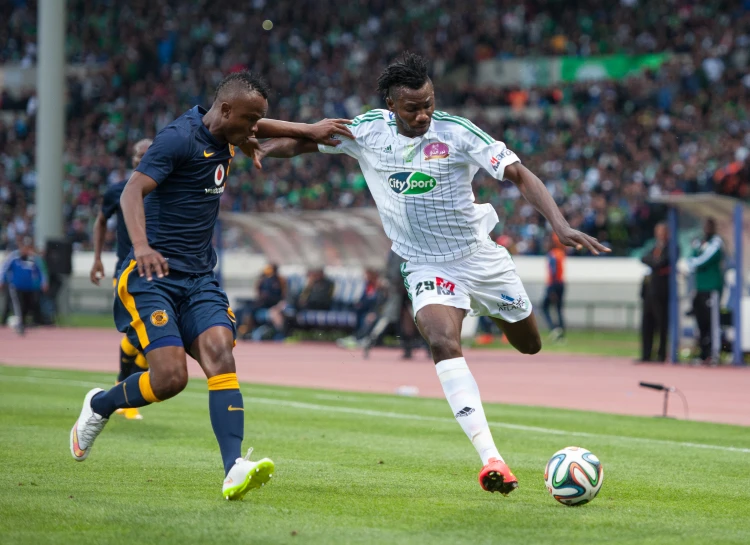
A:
[281,148]
[322,132]
[534,191]
[149,260]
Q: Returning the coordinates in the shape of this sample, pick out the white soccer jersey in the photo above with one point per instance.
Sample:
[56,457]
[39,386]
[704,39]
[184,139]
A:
[422,186]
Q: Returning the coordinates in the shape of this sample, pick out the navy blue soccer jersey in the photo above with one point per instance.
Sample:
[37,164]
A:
[110,207]
[190,167]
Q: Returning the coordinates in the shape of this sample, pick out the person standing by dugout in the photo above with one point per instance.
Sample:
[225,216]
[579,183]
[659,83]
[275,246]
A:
[706,264]
[655,294]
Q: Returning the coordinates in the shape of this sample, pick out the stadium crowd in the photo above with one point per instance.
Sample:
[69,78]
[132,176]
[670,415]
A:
[683,127]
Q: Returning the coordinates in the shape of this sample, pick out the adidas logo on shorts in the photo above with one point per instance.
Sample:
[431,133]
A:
[466,411]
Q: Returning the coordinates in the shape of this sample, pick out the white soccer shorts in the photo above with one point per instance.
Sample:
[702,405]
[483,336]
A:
[483,284]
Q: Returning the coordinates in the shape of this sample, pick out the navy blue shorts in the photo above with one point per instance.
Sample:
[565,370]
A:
[169,311]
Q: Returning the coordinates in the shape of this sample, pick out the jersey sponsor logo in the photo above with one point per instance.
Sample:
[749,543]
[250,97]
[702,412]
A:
[159,318]
[411,183]
[495,161]
[444,287]
[206,154]
[436,150]
[510,304]
[219,175]
[389,149]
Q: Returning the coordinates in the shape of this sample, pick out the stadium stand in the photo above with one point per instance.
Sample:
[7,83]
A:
[681,127]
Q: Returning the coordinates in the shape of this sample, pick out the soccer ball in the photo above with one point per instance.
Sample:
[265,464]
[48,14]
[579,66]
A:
[574,476]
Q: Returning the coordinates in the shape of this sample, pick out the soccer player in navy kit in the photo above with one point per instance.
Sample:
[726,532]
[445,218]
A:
[132,360]
[168,300]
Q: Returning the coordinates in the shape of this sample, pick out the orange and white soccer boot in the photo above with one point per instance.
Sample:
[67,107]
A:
[496,476]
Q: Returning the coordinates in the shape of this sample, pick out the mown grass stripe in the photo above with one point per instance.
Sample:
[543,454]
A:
[404,416]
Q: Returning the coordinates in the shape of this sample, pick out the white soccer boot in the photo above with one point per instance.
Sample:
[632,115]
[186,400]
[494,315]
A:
[86,429]
[246,475]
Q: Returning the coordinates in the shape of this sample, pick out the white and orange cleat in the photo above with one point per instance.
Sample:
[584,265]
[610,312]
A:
[496,476]
[86,429]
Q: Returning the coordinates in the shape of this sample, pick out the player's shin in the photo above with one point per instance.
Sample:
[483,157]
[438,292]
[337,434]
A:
[128,353]
[134,391]
[462,393]
[227,416]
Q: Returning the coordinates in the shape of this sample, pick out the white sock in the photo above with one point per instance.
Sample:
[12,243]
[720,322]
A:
[462,393]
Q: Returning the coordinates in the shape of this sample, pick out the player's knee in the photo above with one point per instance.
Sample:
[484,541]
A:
[445,347]
[169,384]
[217,360]
[532,345]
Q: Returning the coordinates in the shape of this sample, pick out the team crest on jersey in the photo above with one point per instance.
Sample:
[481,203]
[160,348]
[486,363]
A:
[409,152]
[436,150]
[411,183]
[219,175]
[159,318]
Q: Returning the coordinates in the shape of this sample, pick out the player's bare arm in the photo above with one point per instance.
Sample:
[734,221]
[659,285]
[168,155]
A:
[326,131]
[149,260]
[534,191]
[100,231]
[321,132]
[285,148]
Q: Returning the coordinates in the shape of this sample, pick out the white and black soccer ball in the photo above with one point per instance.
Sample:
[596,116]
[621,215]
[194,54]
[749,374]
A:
[574,476]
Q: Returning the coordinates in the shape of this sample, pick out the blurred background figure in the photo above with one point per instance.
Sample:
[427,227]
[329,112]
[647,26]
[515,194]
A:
[555,291]
[25,274]
[317,293]
[367,308]
[396,312]
[271,291]
[655,295]
[707,266]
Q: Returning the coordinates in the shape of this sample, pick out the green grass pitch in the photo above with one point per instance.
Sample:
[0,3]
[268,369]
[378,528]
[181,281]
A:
[354,468]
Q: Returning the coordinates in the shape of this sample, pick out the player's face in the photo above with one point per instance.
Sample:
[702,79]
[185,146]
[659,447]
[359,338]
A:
[139,150]
[413,109]
[240,117]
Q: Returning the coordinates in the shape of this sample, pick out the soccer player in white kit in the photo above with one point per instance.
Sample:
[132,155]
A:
[419,164]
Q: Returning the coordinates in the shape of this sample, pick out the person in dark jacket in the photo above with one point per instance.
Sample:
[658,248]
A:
[655,295]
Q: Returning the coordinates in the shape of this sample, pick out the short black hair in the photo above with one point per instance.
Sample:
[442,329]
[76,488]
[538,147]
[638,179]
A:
[410,70]
[244,80]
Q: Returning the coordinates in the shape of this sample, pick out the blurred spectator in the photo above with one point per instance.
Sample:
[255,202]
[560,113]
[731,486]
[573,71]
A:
[655,296]
[396,312]
[25,274]
[707,265]
[555,292]
[271,292]
[367,308]
[317,293]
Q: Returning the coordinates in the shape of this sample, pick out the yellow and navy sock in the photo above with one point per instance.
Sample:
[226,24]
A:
[227,416]
[128,355]
[134,391]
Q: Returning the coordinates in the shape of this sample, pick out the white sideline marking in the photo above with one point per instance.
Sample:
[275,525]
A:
[399,416]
